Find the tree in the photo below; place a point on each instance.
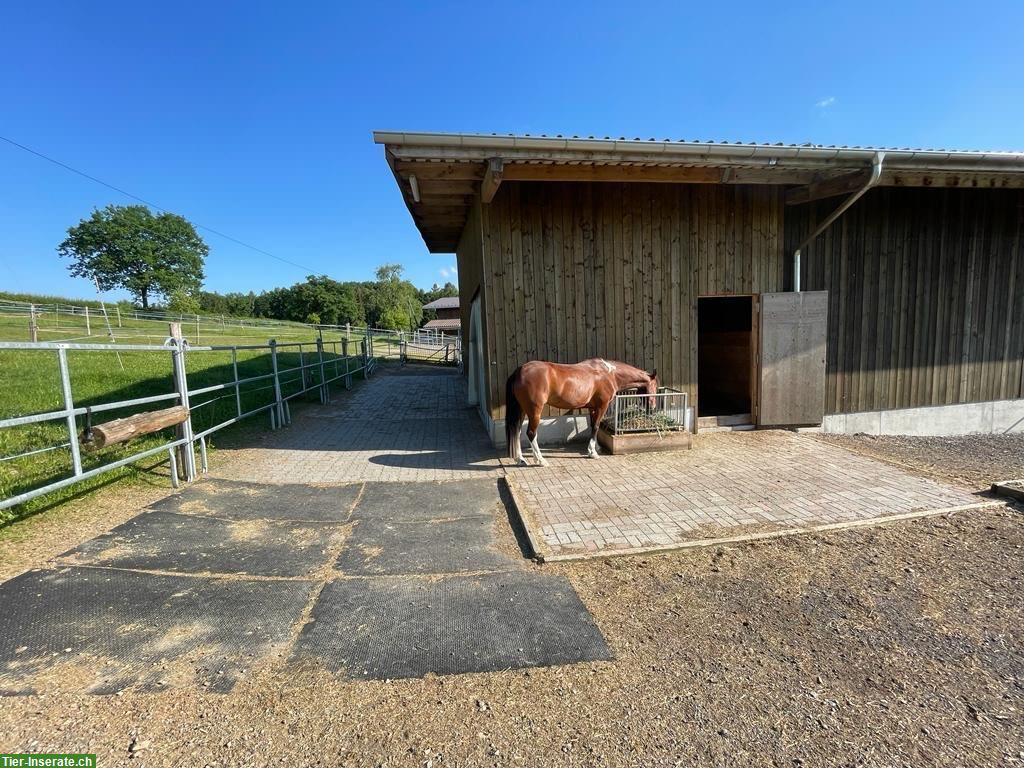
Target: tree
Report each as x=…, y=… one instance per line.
x=394, y=303
x=126, y=246
x=183, y=302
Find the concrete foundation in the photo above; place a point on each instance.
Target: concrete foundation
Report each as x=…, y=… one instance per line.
x=992, y=417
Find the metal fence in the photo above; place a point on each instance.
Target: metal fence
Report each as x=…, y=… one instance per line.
x=65, y=322
x=634, y=411
x=319, y=364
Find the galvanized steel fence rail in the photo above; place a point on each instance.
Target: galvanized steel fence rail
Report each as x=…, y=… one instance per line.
x=666, y=411
x=313, y=356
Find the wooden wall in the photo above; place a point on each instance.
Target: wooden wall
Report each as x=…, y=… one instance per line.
x=572, y=270
x=470, y=262
x=926, y=296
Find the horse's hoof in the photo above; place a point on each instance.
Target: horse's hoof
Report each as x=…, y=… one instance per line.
x=522, y=463
x=542, y=463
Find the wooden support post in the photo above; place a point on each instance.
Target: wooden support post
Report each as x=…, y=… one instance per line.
x=492, y=179
x=88, y=329
x=197, y=330
x=118, y=309
x=33, y=327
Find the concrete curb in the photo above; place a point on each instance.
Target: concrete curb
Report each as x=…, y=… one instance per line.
x=540, y=551
x=752, y=537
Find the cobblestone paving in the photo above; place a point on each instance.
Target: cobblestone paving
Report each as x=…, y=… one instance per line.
x=730, y=484
x=402, y=424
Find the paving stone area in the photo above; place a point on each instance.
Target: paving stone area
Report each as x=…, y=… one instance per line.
x=403, y=424
x=730, y=484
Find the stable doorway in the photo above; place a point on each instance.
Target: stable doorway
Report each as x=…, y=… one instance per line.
x=726, y=361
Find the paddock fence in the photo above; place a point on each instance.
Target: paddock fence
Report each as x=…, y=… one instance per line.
x=253, y=379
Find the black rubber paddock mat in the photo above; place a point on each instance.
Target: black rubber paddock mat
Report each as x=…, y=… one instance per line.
x=427, y=501
x=164, y=541
x=236, y=500
x=100, y=630
x=382, y=548
x=390, y=628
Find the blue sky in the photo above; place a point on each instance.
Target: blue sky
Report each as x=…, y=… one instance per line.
x=255, y=118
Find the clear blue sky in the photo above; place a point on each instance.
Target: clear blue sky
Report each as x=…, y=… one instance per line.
x=255, y=118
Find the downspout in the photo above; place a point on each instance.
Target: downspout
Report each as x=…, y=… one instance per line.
x=876, y=174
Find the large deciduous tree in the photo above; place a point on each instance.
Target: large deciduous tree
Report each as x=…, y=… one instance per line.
x=129, y=247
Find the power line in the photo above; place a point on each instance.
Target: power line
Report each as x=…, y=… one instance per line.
x=120, y=191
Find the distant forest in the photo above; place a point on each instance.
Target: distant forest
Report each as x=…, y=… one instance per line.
x=387, y=302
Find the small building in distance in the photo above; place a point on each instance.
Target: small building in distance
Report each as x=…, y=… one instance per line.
x=448, y=319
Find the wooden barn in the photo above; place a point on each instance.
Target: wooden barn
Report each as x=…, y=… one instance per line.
x=862, y=289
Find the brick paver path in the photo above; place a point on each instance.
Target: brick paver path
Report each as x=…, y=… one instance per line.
x=730, y=484
x=413, y=424
x=402, y=424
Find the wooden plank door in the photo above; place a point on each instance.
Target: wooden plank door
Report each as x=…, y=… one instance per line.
x=793, y=330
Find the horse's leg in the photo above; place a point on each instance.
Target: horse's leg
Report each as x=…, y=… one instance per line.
x=519, y=458
x=599, y=411
x=592, y=446
x=531, y=432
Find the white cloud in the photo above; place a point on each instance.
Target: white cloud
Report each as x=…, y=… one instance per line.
x=445, y=273
x=826, y=102
x=449, y=272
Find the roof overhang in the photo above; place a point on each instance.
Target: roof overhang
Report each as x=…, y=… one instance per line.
x=440, y=174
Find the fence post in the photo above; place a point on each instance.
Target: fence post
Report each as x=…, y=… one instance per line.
x=118, y=316
x=278, y=405
x=88, y=330
x=324, y=391
x=187, y=459
x=238, y=387
x=197, y=330
x=33, y=327
x=56, y=315
x=69, y=409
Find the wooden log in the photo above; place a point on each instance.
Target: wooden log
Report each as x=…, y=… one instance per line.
x=120, y=430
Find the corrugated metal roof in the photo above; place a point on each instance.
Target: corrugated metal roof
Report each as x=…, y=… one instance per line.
x=445, y=302
x=443, y=325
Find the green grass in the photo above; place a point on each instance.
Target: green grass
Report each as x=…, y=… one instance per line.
x=30, y=383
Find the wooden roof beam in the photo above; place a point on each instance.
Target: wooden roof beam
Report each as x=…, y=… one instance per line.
x=830, y=187
x=492, y=179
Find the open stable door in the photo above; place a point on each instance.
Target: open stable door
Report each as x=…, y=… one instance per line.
x=793, y=334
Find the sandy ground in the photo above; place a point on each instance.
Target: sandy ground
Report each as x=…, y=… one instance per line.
x=899, y=645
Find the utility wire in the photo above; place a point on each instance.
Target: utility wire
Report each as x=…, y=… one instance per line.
x=120, y=191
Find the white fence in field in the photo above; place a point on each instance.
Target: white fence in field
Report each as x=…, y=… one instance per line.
x=70, y=323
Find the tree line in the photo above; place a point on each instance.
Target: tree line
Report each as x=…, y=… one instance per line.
x=387, y=302
x=159, y=260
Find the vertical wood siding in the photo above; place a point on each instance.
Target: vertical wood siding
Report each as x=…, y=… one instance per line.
x=470, y=262
x=926, y=296
x=572, y=271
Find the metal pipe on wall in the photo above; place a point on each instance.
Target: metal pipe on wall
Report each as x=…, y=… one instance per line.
x=876, y=174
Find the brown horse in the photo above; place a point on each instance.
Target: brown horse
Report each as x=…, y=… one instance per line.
x=590, y=384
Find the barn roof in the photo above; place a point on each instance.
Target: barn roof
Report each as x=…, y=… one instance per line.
x=440, y=174
x=443, y=325
x=445, y=302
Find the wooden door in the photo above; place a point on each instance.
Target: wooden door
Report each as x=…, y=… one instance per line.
x=792, y=341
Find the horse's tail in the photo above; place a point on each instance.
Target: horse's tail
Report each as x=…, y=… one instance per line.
x=513, y=414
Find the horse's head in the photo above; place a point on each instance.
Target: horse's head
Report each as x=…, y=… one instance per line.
x=652, y=389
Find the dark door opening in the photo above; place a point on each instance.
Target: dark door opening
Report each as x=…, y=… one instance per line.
x=725, y=340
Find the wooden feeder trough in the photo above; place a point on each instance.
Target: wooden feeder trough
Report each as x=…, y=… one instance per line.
x=634, y=425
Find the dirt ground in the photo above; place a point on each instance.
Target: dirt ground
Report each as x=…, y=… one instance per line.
x=899, y=645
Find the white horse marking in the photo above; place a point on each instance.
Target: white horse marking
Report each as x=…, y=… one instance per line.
x=607, y=365
x=536, y=452
x=592, y=448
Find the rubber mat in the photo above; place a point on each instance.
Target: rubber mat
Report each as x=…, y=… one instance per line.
x=100, y=630
x=427, y=501
x=235, y=500
x=165, y=541
x=391, y=628
x=379, y=547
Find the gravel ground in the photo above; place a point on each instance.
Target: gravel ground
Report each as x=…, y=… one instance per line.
x=899, y=645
